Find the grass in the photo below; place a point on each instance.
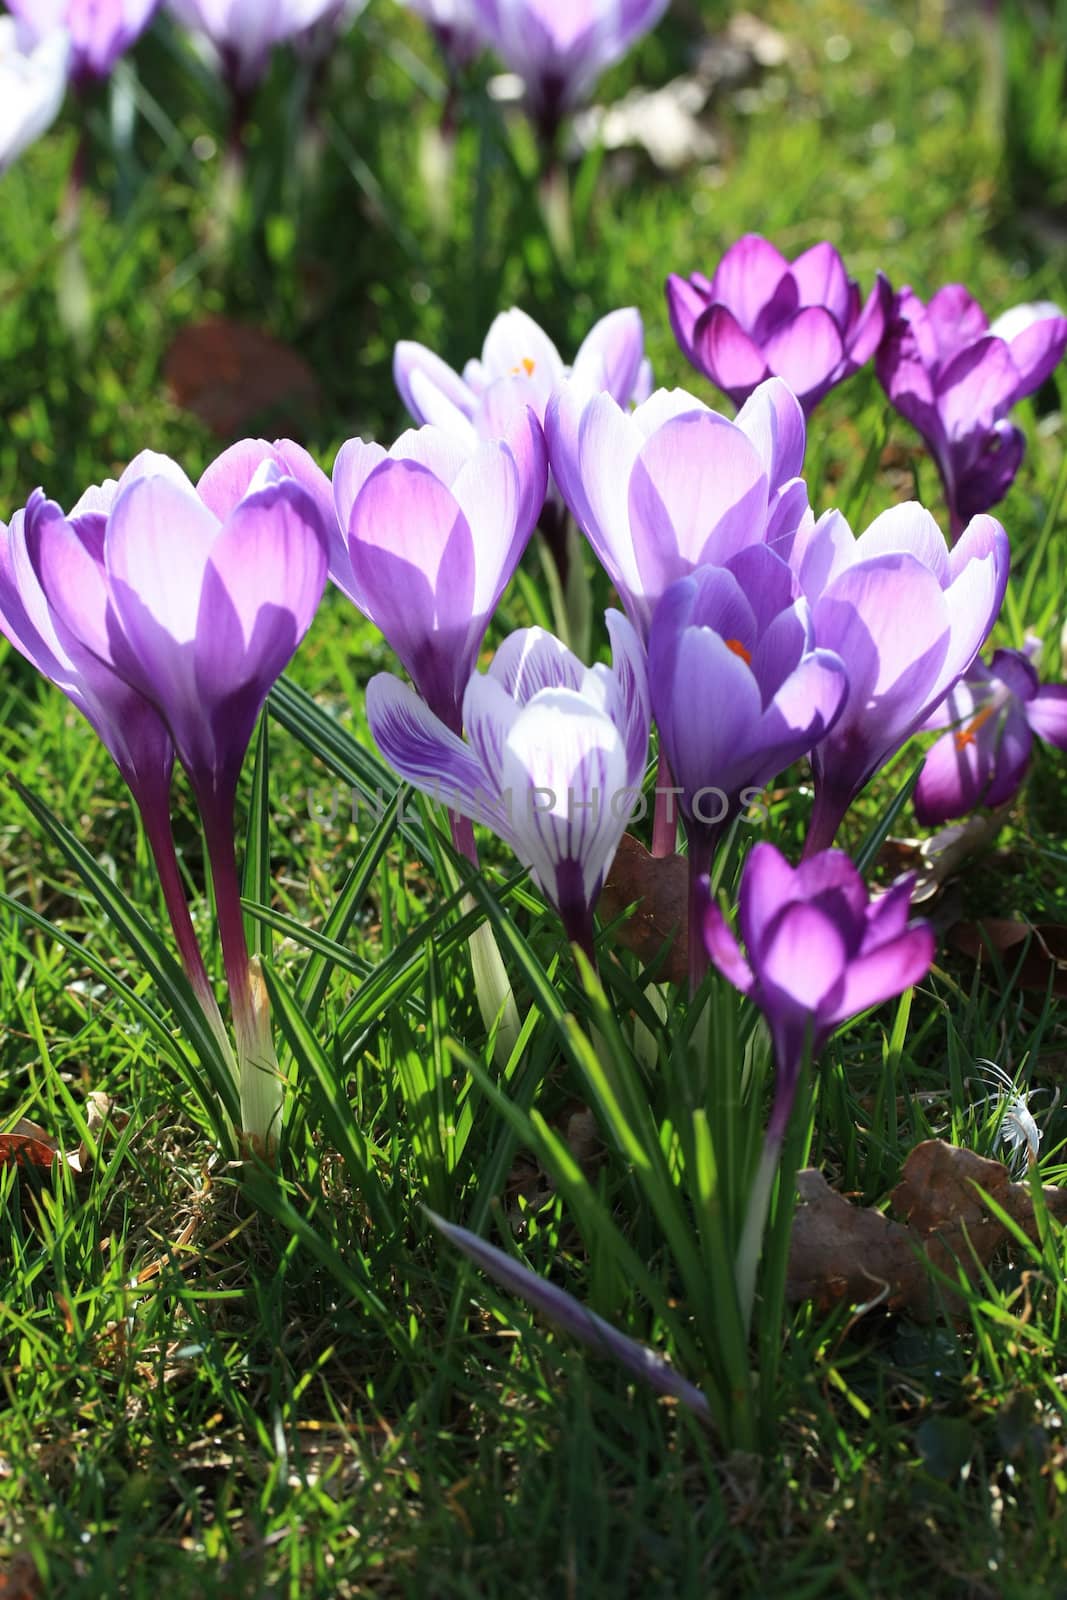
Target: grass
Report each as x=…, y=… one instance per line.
x=225, y=1388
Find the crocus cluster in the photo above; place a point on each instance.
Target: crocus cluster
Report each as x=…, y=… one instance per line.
x=166, y=612
x=956, y=378
x=244, y=35
x=945, y=369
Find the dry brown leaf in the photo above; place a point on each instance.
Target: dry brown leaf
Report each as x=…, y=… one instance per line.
x=1044, y=960
x=27, y=1144
x=842, y=1252
x=660, y=886
x=232, y=375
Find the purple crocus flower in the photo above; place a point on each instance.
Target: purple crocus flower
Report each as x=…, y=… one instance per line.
x=554, y=763
x=611, y=358
x=129, y=727
x=804, y=321
x=673, y=485
x=100, y=30
x=198, y=601
x=992, y=716
x=955, y=379
x=245, y=32
x=426, y=538
x=738, y=691
x=559, y=51
x=819, y=952
x=907, y=616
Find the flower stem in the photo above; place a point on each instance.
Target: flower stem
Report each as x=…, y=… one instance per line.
x=827, y=815
x=260, y=1078
x=751, y=1246
x=702, y=843
x=665, y=814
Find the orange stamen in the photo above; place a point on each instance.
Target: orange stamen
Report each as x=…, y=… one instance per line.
x=525, y=365
x=968, y=734
x=739, y=650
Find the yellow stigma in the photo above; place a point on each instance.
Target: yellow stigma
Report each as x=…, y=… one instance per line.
x=739, y=650
x=525, y=365
x=968, y=734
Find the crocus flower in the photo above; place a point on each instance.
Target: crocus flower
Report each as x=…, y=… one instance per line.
x=559, y=51
x=128, y=725
x=554, y=763
x=955, y=379
x=198, y=601
x=738, y=690
x=992, y=716
x=245, y=32
x=907, y=616
x=611, y=357
x=804, y=321
x=33, y=81
x=99, y=30
x=426, y=538
x=453, y=25
x=673, y=485
x=820, y=951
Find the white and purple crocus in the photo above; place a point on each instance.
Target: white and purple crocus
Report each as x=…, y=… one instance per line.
x=956, y=378
x=553, y=761
x=760, y=314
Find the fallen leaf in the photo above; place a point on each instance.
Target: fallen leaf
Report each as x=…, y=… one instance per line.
x=231, y=375
x=1042, y=962
x=940, y=857
x=27, y=1144
x=660, y=887
x=842, y=1252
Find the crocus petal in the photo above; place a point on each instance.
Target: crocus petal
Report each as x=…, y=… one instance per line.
x=411, y=361
x=1047, y=715
x=806, y=350
x=868, y=330
x=610, y=355
x=976, y=386
x=1037, y=351
x=886, y=972
x=574, y=1318
x=728, y=354
x=723, y=950
x=955, y=320
x=773, y=419
x=533, y=659
x=803, y=955
x=821, y=278
x=747, y=277
x=768, y=883
x=428, y=755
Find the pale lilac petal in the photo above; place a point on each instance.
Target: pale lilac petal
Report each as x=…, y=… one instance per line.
x=629, y=666
x=489, y=714
x=976, y=387
x=420, y=376
x=773, y=419
x=354, y=464
x=517, y=345
x=611, y=354
x=909, y=527
x=955, y=320
x=723, y=949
